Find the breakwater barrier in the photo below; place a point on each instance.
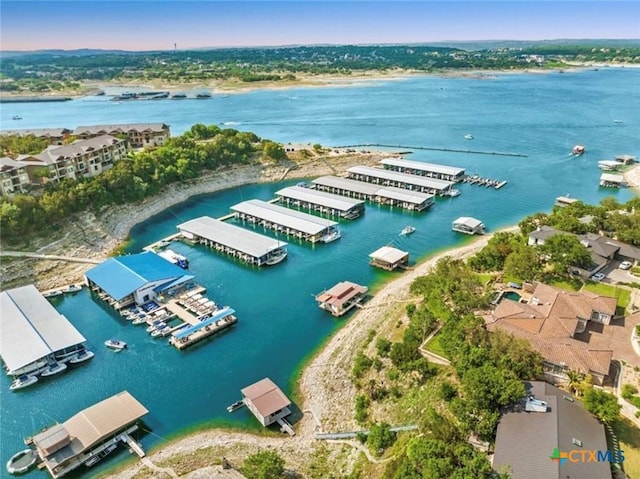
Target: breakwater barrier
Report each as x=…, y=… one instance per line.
x=33, y=99
x=434, y=148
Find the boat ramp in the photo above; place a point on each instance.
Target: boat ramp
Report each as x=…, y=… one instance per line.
x=386, y=195
x=284, y=220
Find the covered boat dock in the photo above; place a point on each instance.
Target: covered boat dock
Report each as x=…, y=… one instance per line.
x=88, y=435
x=283, y=220
x=250, y=247
x=321, y=201
x=405, y=181
x=468, y=225
x=199, y=330
x=33, y=332
x=420, y=168
x=610, y=180
x=268, y=403
x=389, y=258
x=342, y=297
x=388, y=195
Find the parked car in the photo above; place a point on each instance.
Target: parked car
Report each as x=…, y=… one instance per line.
x=625, y=265
x=598, y=277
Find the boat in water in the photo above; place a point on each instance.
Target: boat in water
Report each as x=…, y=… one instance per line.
x=276, y=258
x=453, y=193
x=577, y=150
x=175, y=258
x=468, y=136
x=72, y=288
x=81, y=357
x=115, y=344
x=236, y=405
x=21, y=462
x=407, y=230
x=52, y=294
x=16, y=117
x=332, y=235
x=53, y=368
x=23, y=382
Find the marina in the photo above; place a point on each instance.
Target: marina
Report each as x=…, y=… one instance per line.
x=320, y=201
x=419, y=168
x=404, y=181
x=283, y=220
x=232, y=240
x=388, y=195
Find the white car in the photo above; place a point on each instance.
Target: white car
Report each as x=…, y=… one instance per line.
x=625, y=265
x=598, y=277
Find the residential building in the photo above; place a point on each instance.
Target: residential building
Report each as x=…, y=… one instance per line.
x=138, y=135
x=13, y=177
x=551, y=321
x=54, y=136
x=536, y=438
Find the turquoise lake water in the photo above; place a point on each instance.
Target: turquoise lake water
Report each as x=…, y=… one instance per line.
x=541, y=116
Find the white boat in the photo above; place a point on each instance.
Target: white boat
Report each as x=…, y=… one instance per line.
x=51, y=294
x=331, y=236
x=21, y=462
x=276, y=258
x=140, y=320
x=453, y=192
x=154, y=325
x=115, y=344
x=53, y=368
x=159, y=330
x=72, y=288
x=82, y=356
x=236, y=405
x=577, y=150
x=23, y=382
x=407, y=230
x=468, y=136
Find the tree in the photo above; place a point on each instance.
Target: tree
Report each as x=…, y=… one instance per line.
x=263, y=465
x=602, y=405
x=564, y=251
x=380, y=437
x=523, y=263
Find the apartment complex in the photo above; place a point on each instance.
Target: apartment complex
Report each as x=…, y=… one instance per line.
x=138, y=135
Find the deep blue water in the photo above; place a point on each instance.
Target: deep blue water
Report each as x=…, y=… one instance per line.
x=541, y=116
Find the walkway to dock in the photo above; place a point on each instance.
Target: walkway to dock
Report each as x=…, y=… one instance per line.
x=354, y=434
x=28, y=254
x=433, y=148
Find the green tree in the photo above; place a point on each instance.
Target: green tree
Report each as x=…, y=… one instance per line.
x=380, y=438
x=523, y=263
x=565, y=251
x=263, y=465
x=602, y=405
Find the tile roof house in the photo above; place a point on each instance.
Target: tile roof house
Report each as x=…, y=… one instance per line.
x=546, y=421
x=551, y=320
x=139, y=135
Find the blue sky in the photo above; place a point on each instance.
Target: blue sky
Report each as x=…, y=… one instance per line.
x=144, y=25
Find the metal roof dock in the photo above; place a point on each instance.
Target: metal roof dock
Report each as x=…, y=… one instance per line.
x=420, y=168
x=383, y=177
x=342, y=297
x=468, y=225
x=389, y=258
x=388, y=195
x=32, y=330
x=283, y=220
x=233, y=240
x=321, y=201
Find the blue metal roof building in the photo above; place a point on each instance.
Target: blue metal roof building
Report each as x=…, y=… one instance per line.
x=140, y=276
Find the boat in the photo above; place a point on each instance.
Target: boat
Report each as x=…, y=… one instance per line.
x=617, y=121
x=178, y=96
x=72, y=288
x=23, y=382
x=276, y=258
x=175, y=258
x=203, y=95
x=17, y=117
x=53, y=368
x=331, y=236
x=577, y=150
x=159, y=330
x=139, y=320
x=453, y=193
x=115, y=344
x=468, y=136
x=82, y=356
x=97, y=457
x=52, y=294
x=154, y=325
x=21, y=462
x=236, y=405
x=407, y=230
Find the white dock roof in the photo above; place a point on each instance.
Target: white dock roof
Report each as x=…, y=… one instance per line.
x=388, y=254
x=432, y=183
x=31, y=328
x=322, y=198
x=612, y=178
x=280, y=215
x=415, y=197
x=468, y=221
x=422, y=166
x=347, y=184
x=233, y=236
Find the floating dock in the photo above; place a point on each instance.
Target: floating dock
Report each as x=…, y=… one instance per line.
x=342, y=297
x=419, y=168
x=283, y=220
x=321, y=201
x=486, y=182
x=388, y=195
x=218, y=321
x=389, y=258
x=404, y=181
x=468, y=225
x=250, y=247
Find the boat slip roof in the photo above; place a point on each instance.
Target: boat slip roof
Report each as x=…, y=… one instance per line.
x=388, y=254
x=123, y=275
x=408, y=196
x=341, y=293
x=266, y=397
x=319, y=198
x=221, y=314
x=280, y=215
x=32, y=328
x=468, y=221
x=347, y=184
x=432, y=183
x=421, y=165
x=612, y=178
x=93, y=424
x=232, y=236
